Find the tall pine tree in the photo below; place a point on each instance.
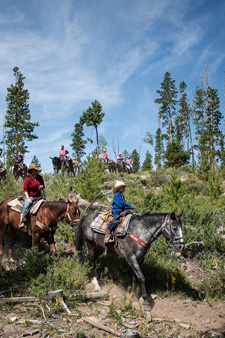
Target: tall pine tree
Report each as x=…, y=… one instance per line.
x=93, y=116
x=18, y=125
x=78, y=142
x=167, y=101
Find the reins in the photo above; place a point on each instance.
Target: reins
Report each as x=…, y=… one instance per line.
x=44, y=227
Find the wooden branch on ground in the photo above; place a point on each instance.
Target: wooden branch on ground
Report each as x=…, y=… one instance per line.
x=101, y=327
x=20, y=299
x=91, y=295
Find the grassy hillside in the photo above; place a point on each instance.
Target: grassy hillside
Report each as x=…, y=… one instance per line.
x=157, y=191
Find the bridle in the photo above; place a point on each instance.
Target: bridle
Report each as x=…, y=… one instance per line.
x=168, y=234
x=72, y=222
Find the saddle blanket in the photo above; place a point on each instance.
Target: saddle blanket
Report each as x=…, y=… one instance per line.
x=17, y=205
x=100, y=226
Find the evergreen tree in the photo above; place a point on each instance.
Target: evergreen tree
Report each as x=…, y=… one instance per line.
x=174, y=191
x=198, y=108
x=78, y=143
x=93, y=116
x=167, y=101
x=175, y=156
x=158, y=148
x=210, y=137
x=136, y=160
x=35, y=160
x=18, y=119
x=147, y=164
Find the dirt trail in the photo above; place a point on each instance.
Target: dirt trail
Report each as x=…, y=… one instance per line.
x=171, y=316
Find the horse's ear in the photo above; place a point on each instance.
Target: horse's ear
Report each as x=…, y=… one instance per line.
x=179, y=214
x=77, y=200
x=172, y=215
x=71, y=188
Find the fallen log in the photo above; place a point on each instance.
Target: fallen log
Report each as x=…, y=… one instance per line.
x=101, y=327
x=20, y=299
x=90, y=206
x=91, y=295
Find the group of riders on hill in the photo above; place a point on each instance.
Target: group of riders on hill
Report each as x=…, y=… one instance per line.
x=128, y=162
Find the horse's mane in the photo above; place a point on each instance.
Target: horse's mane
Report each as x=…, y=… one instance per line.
x=149, y=217
x=54, y=205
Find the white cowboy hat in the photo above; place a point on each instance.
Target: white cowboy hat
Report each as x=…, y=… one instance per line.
x=118, y=185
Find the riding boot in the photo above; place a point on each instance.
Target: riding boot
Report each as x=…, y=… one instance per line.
x=22, y=219
x=107, y=236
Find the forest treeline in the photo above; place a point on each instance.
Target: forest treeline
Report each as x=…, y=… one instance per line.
x=190, y=130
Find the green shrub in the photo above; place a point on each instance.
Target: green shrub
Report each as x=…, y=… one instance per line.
x=65, y=273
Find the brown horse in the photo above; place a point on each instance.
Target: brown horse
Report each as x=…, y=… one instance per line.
x=42, y=225
x=111, y=166
x=19, y=171
x=76, y=166
x=119, y=167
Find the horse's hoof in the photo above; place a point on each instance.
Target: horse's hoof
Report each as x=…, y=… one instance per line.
x=149, y=304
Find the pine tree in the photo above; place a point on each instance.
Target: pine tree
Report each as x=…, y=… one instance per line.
x=167, y=101
x=93, y=116
x=175, y=156
x=147, y=164
x=214, y=117
x=35, y=160
x=17, y=119
x=78, y=143
x=158, y=148
x=136, y=160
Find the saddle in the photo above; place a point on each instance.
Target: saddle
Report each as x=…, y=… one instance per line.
x=102, y=221
x=17, y=205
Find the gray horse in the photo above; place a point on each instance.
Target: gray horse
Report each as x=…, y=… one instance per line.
x=142, y=231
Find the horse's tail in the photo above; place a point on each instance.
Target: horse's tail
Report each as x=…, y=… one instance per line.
x=80, y=238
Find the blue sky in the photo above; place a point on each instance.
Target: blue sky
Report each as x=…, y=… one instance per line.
x=73, y=52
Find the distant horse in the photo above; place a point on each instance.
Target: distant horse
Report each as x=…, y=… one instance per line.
x=2, y=173
x=42, y=225
x=19, y=171
x=76, y=166
x=57, y=165
x=111, y=166
x=119, y=166
x=142, y=231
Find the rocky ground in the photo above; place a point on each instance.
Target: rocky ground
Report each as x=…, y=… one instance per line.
x=171, y=316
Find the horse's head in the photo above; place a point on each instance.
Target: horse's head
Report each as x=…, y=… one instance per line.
x=172, y=230
x=72, y=215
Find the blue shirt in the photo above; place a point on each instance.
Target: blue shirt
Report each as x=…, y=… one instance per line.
x=118, y=204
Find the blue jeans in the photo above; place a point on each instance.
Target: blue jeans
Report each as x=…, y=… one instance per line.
x=27, y=205
x=114, y=222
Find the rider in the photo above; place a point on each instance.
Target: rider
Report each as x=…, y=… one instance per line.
x=120, y=160
x=118, y=205
x=104, y=156
x=19, y=159
x=67, y=157
x=62, y=153
x=33, y=183
x=130, y=162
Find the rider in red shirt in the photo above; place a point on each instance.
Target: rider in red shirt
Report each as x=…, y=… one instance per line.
x=32, y=186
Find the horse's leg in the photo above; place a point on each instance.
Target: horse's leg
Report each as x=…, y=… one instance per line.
x=148, y=301
x=93, y=255
x=2, y=233
x=36, y=241
x=11, y=242
x=135, y=281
